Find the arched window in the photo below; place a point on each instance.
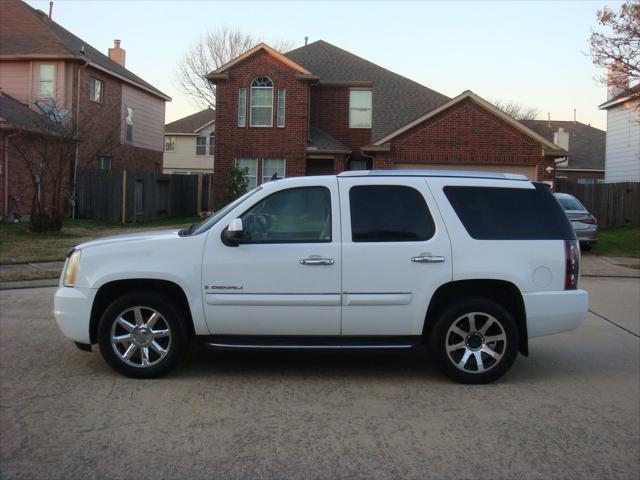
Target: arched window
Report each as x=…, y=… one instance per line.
x=261, y=114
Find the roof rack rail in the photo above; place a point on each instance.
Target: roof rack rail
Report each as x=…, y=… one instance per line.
x=433, y=173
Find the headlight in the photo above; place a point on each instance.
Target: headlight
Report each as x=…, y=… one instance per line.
x=71, y=269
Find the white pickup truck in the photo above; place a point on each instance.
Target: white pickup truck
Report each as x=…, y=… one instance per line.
x=470, y=264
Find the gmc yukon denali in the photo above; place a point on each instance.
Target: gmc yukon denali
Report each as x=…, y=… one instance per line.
x=470, y=264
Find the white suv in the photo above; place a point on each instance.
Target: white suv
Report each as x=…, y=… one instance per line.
x=471, y=264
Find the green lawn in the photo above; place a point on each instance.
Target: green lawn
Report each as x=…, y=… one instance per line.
x=618, y=242
x=18, y=245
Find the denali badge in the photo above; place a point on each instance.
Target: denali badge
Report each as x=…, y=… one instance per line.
x=223, y=287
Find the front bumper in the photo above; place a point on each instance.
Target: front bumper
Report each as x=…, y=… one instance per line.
x=555, y=311
x=72, y=310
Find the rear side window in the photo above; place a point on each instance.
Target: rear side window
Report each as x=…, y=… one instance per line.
x=389, y=213
x=491, y=213
x=569, y=203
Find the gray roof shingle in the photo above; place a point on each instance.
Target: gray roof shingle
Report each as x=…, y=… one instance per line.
x=191, y=123
x=586, y=143
x=397, y=100
x=14, y=114
x=322, y=141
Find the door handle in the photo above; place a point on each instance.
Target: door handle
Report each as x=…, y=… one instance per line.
x=428, y=259
x=317, y=260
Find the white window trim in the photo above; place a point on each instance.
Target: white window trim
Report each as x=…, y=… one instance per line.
x=272, y=88
x=211, y=145
x=284, y=108
x=272, y=158
x=92, y=92
x=174, y=143
x=242, y=108
x=371, y=110
x=206, y=146
x=255, y=159
x=53, y=81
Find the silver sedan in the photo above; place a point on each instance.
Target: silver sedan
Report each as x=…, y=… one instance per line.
x=584, y=224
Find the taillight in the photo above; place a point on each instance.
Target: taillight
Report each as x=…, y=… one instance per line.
x=572, y=269
x=591, y=220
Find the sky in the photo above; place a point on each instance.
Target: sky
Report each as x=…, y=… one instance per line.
x=532, y=53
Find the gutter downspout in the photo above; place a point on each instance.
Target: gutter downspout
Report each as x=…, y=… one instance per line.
x=6, y=172
x=77, y=152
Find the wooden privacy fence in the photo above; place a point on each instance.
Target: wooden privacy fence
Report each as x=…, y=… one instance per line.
x=613, y=204
x=122, y=196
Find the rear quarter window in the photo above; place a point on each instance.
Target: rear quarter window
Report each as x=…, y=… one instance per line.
x=492, y=213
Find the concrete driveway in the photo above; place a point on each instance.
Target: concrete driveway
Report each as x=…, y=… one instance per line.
x=570, y=410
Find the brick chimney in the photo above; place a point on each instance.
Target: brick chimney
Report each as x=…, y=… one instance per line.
x=617, y=79
x=116, y=53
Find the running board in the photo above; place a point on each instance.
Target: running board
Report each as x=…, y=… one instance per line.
x=306, y=342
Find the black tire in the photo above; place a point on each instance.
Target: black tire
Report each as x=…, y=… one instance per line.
x=443, y=337
x=586, y=246
x=170, y=319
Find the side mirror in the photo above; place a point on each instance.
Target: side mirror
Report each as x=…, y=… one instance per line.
x=234, y=234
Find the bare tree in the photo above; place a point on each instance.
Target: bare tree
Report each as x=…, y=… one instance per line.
x=619, y=42
x=214, y=49
x=51, y=145
x=517, y=110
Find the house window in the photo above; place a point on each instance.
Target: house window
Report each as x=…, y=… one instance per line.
x=96, y=90
x=104, y=162
x=271, y=166
x=129, y=122
x=250, y=165
x=359, y=108
x=281, y=107
x=261, y=114
x=212, y=142
x=242, y=107
x=586, y=181
x=46, y=87
x=201, y=145
x=169, y=144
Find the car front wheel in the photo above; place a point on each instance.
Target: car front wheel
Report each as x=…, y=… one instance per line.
x=142, y=335
x=475, y=341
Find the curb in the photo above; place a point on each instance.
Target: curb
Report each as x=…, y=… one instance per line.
x=49, y=282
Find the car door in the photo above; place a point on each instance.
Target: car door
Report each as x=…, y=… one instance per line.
x=396, y=253
x=285, y=279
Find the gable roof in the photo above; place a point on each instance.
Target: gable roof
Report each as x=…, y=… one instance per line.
x=551, y=148
x=629, y=94
x=586, y=143
x=29, y=33
x=396, y=99
x=321, y=141
x=257, y=48
x=18, y=116
x=191, y=124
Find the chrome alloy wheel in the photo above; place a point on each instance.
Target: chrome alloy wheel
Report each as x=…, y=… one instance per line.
x=141, y=337
x=476, y=342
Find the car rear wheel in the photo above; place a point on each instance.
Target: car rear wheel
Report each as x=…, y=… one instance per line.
x=475, y=341
x=142, y=335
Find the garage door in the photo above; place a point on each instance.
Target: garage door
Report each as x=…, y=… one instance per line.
x=528, y=170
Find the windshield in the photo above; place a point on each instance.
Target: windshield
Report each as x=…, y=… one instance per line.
x=570, y=203
x=212, y=220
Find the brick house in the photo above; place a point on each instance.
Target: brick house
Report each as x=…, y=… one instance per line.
x=44, y=67
x=320, y=109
